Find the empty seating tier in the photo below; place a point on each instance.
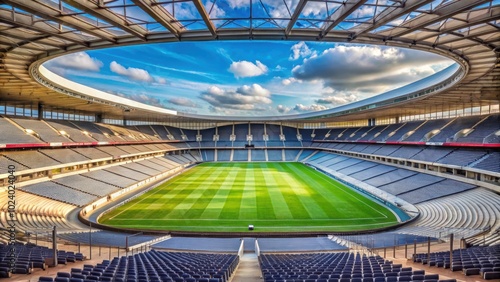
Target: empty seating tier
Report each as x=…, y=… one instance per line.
x=159, y=266
x=348, y=267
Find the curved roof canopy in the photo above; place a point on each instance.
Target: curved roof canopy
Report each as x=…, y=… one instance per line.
x=467, y=31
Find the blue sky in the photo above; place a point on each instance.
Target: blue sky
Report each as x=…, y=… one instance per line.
x=247, y=77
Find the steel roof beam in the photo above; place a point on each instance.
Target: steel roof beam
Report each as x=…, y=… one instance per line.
x=162, y=16
x=25, y=21
x=444, y=12
x=46, y=12
x=205, y=16
x=390, y=14
x=448, y=27
x=295, y=16
x=106, y=15
x=347, y=8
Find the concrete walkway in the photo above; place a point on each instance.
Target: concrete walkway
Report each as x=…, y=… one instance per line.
x=248, y=270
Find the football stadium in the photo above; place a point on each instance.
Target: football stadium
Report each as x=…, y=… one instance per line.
x=244, y=140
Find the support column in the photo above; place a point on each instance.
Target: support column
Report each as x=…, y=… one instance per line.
x=98, y=118
x=451, y=249
x=54, y=245
x=40, y=110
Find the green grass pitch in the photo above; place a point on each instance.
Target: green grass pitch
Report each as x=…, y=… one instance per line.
x=274, y=197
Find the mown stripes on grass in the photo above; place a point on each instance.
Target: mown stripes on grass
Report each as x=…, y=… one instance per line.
x=273, y=196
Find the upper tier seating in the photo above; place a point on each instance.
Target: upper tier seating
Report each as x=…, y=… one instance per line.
x=45, y=132
x=447, y=133
x=424, y=129
x=148, y=131
x=487, y=127
x=74, y=133
x=16, y=135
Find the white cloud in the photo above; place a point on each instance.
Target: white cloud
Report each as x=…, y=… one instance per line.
x=282, y=109
x=161, y=80
x=247, y=97
x=367, y=69
x=288, y=81
x=132, y=73
x=135, y=74
x=77, y=61
x=247, y=69
x=338, y=99
x=310, y=108
x=214, y=10
x=184, y=102
x=234, y=4
x=300, y=50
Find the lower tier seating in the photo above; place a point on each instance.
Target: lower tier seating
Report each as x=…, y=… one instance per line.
x=339, y=267
x=156, y=266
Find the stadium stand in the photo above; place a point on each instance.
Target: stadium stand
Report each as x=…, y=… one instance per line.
x=225, y=133
x=465, y=214
x=304, y=154
x=401, y=130
x=158, y=266
x=30, y=159
x=92, y=153
x=490, y=162
x=29, y=256
x=35, y=212
x=291, y=155
x=472, y=261
x=224, y=155
x=258, y=155
x=241, y=131
x=274, y=155
x=336, y=266
x=208, y=155
x=43, y=130
x=257, y=131
x=448, y=133
x=148, y=131
x=124, y=171
x=64, y=156
x=87, y=185
x=60, y=193
x=16, y=135
x=240, y=155
x=481, y=130
x=424, y=131
x=108, y=177
x=162, y=132
x=174, y=131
